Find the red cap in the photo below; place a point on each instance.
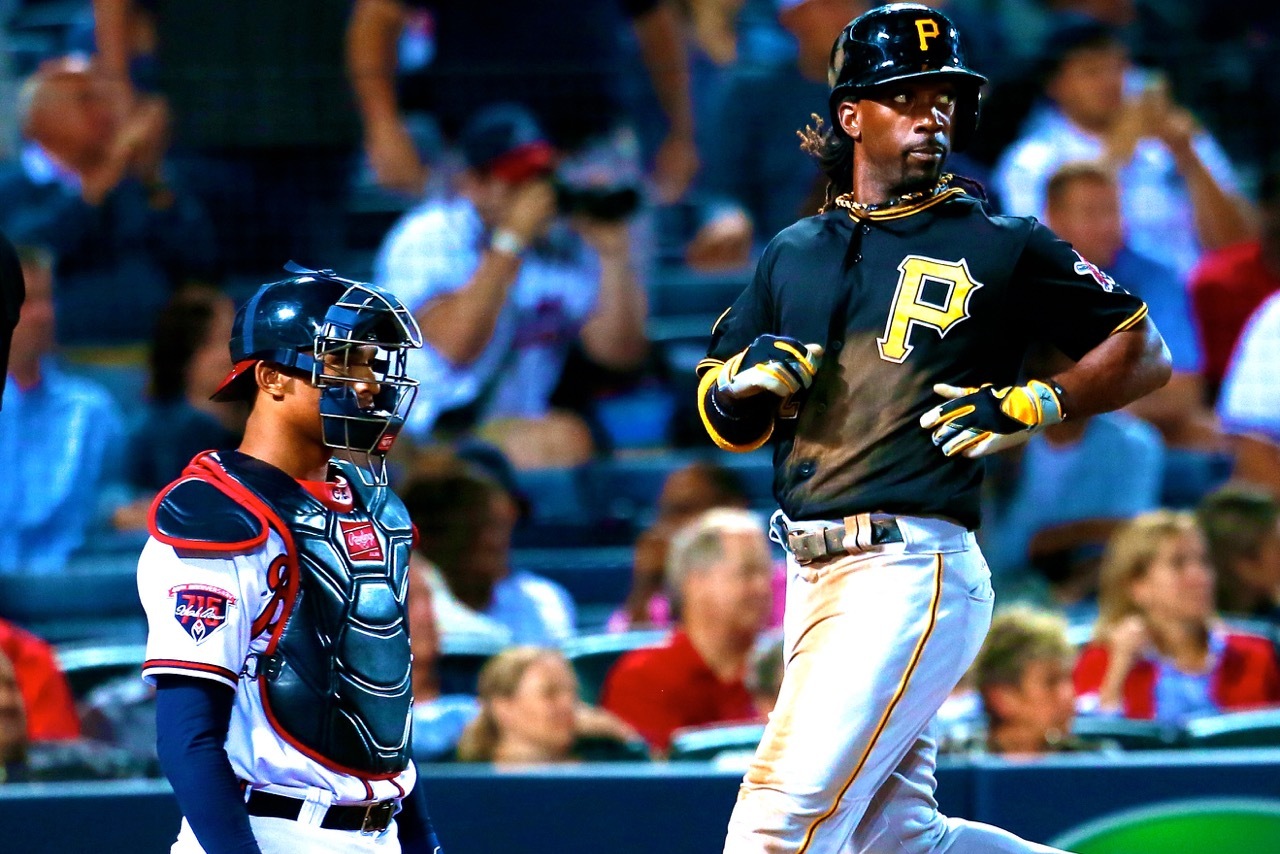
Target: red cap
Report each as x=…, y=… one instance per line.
x=226, y=390
x=523, y=162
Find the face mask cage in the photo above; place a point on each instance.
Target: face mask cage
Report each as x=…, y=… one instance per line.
x=360, y=366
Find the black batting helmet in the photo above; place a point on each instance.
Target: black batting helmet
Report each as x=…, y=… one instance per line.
x=902, y=41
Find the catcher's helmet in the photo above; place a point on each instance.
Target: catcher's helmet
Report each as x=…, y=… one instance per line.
x=300, y=323
x=901, y=41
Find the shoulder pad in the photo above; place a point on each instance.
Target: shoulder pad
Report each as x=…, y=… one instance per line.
x=195, y=516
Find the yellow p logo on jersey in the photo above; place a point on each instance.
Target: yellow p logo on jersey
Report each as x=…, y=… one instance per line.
x=928, y=29
x=910, y=308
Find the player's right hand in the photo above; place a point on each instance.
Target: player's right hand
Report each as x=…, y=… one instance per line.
x=773, y=363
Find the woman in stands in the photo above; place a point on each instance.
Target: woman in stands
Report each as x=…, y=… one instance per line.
x=530, y=714
x=1159, y=650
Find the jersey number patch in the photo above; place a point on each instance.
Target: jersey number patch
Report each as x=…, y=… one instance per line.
x=910, y=309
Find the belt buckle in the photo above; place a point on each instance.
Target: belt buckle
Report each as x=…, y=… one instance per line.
x=375, y=812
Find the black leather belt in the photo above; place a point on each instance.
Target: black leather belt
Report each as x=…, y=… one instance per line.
x=366, y=818
x=854, y=534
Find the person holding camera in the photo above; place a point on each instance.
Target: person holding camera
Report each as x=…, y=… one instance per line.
x=503, y=277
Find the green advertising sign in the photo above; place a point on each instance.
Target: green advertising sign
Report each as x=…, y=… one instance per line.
x=1198, y=826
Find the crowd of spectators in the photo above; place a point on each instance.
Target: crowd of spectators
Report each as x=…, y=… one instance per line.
x=536, y=205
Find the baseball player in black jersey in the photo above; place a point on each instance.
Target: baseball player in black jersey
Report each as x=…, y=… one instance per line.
x=879, y=347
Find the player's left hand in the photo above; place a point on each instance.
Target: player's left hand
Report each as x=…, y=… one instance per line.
x=980, y=421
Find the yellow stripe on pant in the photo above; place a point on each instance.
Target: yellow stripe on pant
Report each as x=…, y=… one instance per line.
x=893, y=703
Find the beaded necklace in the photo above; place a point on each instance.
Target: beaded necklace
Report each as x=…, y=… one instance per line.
x=899, y=205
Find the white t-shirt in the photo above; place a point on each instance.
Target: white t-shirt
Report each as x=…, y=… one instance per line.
x=1154, y=199
x=526, y=609
x=200, y=617
x=432, y=252
x=1250, y=398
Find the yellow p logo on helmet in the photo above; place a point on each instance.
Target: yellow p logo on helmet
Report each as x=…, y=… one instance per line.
x=928, y=29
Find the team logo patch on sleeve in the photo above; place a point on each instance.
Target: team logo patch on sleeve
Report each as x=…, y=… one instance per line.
x=1084, y=268
x=362, y=542
x=200, y=609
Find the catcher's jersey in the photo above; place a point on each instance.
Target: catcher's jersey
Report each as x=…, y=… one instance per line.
x=206, y=616
x=937, y=292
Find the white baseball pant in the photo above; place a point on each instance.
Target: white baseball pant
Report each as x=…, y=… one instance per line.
x=874, y=641
x=286, y=836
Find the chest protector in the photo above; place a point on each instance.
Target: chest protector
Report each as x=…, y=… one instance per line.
x=335, y=679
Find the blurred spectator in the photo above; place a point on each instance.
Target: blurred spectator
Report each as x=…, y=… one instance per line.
x=1023, y=675
x=1231, y=283
x=13, y=721
x=718, y=574
x=1159, y=651
x=264, y=127
x=1242, y=528
x=48, y=709
x=1083, y=208
x=530, y=712
x=1177, y=190
x=464, y=523
x=687, y=493
x=60, y=439
x=567, y=66
x=12, y=293
x=438, y=719
x=188, y=361
x=1249, y=403
x=92, y=187
x=502, y=286
x=759, y=175
x=1067, y=497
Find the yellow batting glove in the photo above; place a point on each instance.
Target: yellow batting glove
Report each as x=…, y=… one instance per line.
x=975, y=422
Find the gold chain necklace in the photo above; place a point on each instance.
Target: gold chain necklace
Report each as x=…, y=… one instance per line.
x=858, y=210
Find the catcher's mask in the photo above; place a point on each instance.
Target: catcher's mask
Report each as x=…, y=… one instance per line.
x=314, y=324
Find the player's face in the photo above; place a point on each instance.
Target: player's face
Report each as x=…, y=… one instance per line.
x=542, y=712
x=1178, y=584
x=355, y=366
x=740, y=585
x=905, y=133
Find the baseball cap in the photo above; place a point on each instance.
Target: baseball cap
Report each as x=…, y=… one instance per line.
x=506, y=141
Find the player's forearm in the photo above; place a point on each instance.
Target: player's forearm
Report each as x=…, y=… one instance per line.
x=372, y=38
x=460, y=325
x=662, y=45
x=1221, y=219
x=615, y=335
x=1123, y=368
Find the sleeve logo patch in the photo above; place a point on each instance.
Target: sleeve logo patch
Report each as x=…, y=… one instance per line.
x=1084, y=268
x=200, y=609
x=362, y=542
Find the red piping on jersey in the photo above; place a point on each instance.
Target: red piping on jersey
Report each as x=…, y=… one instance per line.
x=178, y=664
x=206, y=468
x=199, y=548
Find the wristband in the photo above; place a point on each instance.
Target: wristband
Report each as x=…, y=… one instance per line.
x=507, y=242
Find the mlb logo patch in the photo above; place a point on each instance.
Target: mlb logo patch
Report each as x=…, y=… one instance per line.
x=200, y=609
x=362, y=542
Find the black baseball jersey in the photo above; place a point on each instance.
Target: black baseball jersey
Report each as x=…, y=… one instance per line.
x=937, y=292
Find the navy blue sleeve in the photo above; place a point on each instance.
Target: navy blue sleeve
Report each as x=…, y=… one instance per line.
x=413, y=825
x=192, y=717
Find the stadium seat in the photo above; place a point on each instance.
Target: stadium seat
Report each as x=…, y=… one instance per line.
x=593, y=655
x=705, y=743
x=1129, y=734
x=461, y=657
x=87, y=666
x=99, y=601
x=593, y=576
x=1256, y=728
x=557, y=494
